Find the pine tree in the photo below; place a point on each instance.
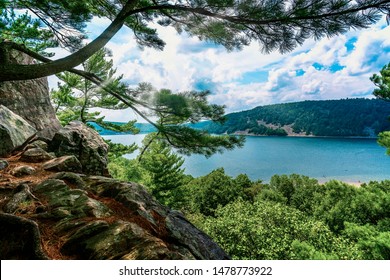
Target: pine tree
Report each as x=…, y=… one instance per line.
x=382, y=82
x=76, y=95
x=164, y=172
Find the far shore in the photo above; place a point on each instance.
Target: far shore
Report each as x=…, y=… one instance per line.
x=305, y=136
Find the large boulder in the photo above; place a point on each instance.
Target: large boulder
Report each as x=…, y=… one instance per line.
x=65, y=202
x=14, y=130
x=83, y=142
x=162, y=227
x=30, y=99
x=62, y=164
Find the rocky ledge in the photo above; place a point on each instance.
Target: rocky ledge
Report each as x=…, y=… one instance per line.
x=55, y=204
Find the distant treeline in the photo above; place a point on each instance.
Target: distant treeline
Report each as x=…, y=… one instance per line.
x=346, y=117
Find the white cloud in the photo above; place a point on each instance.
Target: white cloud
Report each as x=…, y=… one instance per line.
x=371, y=52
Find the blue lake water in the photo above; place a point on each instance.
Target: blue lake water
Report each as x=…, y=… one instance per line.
x=346, y=159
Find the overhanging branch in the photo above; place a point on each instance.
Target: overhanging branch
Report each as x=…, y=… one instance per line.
x=244, y=20
x=13, y=72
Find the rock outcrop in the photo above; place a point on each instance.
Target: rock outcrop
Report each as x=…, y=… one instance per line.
x=30, y=99
x=55, y=209
x=122, y=221
x=14, y=131
x=95, y=217
x=83, y=142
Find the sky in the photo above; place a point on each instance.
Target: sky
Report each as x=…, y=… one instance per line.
x=331, y=68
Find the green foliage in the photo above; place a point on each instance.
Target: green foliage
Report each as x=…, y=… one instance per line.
x=292, y=217
x=128, y=127
x=157, y=167
x=76, y=95
x=342, y=203
x=334, y=202
x=126, y=170
x=216, y=189
x=384, y=140
x=117, y=150
x=382, y=82
x=300, y=192
x=21, y=28
x=176, y=112
x=290, y=186
x=163, y=167
x=374, y=244
x=59, y=22
x=319, y=118
x=188, y=141
x=275, y=24
x=268, y=230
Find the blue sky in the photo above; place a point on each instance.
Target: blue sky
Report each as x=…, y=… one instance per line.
x=331, y=68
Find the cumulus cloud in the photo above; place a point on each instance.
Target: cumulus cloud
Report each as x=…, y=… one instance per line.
x=330, y=69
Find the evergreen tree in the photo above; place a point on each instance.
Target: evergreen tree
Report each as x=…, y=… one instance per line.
x=382, y=82
x=384, y=140
x=76, y=95
x=164, y=169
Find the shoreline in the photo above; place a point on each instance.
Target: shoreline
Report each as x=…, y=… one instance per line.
x=254, y=135
x=304, y=136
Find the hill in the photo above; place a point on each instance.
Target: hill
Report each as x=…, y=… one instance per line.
x=345, y=118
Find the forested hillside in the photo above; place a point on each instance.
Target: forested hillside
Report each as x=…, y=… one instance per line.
x=347, y=117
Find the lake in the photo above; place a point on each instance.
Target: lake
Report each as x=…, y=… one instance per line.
x=346, y=159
